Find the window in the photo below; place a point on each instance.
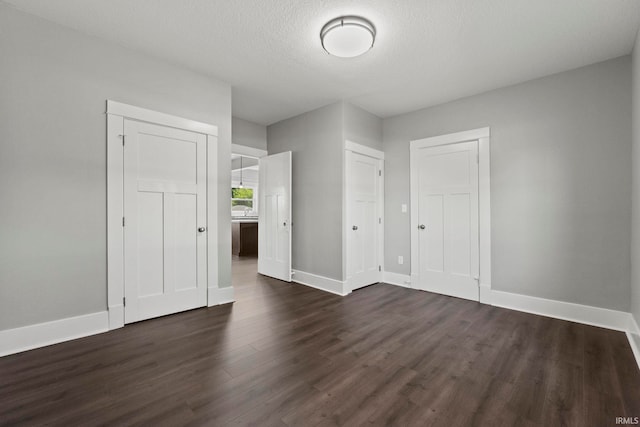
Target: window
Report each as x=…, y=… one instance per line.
x=241, y=199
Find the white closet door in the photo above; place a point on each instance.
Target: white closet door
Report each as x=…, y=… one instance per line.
x=448, y=219
x=363, y=219
x=274, y=216
x=165, y=220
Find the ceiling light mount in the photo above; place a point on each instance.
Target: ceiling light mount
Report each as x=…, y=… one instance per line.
x=348, y=36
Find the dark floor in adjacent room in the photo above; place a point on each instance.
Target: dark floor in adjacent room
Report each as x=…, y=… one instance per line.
x=289, y=355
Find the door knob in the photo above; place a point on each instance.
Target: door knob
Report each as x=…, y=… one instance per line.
x=354, y=228
x=201, y=229
x=421, y=227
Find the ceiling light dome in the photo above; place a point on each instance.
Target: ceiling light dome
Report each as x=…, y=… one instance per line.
x=348, y=36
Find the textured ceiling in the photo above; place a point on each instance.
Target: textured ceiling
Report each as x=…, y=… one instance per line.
x=427, y=51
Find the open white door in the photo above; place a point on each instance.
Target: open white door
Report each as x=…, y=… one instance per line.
x=274, y=217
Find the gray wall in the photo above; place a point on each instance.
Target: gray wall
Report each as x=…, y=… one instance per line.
x=560, y=182
x=53, y=87
x=315, y=139
x=635, y=197
x=248, y=134
x=362, y=127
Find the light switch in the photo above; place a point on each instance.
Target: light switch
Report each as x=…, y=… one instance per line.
x=403, y=207
x=400, y=259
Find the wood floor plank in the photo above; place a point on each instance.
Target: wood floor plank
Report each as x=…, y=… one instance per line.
x=288, y=355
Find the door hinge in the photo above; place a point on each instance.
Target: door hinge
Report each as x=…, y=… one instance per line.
x=478, y=158
x=379, y=172
x=123, y=221
x=122, y=137
x=124, y=301
x=379, y=268
x=379, y=220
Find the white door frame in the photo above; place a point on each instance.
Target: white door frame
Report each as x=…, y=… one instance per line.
x=253, y=153
x=116, y=114
x=352, y=147
x=245, y=151
x=483, y=136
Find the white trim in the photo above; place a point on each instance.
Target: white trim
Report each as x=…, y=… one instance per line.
x=115, y=213
x=633, y=335
x=484, y=208
x=589, y=315
x=363, y=149
x=116, y=316
x=43, y=334
x=483, y=136
x=116, y=113
x=382, y=223
x=485, y=293
x=212, y=215
x=243, y=150
x=151, y=116
x=397, y=279
x=451, y=138
x=218, y=296
x=346, y=157
x=320, y=282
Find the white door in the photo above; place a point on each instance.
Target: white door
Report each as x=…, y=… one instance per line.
x=165, y=267
x=447, y=219
x=274, y=216
x=364, y=220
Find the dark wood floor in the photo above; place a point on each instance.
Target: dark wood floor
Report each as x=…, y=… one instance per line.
x=289, y=355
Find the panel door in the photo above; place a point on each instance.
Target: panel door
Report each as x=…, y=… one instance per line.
x=448, y=219
x=274, y=216
x=164, y=220
x=363, y=220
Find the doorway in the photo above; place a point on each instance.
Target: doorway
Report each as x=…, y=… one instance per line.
x=245, y=206
x=161, y=213
x=261, y=212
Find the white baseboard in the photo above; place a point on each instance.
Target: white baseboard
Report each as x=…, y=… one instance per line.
x=595, y=316
x=218, y=296
x=485, y=293
x=397, y=279
x=320, y=282
x=42, y=334
x=116, y=316
x=633, y=335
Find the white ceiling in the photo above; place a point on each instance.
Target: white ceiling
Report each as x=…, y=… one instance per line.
x=427, y=51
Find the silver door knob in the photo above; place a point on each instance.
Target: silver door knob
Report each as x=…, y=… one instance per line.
x=354, y=228
x=201, y=229
x=421, y=227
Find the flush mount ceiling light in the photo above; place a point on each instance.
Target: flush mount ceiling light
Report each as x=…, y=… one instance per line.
x=348, y=36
